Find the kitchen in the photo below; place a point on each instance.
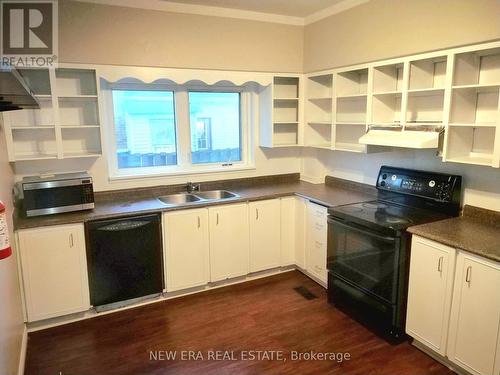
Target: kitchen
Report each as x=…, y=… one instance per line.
x=240, y=181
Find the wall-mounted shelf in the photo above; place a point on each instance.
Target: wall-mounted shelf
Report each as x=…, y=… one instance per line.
x=477, y=67
x=67, y=124
x=280, y=112
x=428, y=73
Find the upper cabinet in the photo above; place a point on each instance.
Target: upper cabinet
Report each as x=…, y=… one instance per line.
x=281, y=112
x=451, y=98
x=66, y=125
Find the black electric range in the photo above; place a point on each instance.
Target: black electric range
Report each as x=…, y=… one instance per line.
x=369, y=248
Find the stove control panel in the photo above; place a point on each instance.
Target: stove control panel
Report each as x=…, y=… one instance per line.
x=436, y=186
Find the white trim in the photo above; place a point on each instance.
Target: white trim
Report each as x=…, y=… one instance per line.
x=22, y=354
x=184, y=165
x=213, y=11
x=334, y=9
x=202, y=10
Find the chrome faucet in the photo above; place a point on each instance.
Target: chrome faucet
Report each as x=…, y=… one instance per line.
x=190, y=187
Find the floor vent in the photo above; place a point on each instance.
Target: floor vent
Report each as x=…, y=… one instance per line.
x=304, y=292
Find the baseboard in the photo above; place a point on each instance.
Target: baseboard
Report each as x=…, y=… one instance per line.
x=438, y=357
x=22, y=354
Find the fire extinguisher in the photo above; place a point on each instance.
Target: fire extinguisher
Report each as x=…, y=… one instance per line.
x=5, y=248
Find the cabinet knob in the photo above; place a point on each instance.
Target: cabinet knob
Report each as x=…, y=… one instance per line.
x=71, y=240
x=256, y=214
x=199, y=222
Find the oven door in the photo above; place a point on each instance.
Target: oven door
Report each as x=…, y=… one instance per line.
x=364, y=258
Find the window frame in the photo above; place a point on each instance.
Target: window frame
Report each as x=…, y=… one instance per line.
x=184, y=166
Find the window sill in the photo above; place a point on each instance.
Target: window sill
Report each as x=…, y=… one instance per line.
x=217, y=170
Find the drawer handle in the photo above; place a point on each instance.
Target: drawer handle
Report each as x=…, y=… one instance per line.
x=256, y=214
x=217, y=221
x=440, y=264
x=199, y=222
x=71, y=240
x=468, y=275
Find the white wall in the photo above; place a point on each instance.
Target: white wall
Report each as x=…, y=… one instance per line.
x=11, y=318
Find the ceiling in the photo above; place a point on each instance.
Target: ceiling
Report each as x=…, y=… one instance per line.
x=294, y=8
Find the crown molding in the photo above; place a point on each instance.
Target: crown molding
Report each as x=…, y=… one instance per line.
x=203, y=10
x=206, y=10
x=334, y=9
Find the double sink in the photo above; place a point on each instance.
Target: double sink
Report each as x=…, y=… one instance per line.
x=198, y=197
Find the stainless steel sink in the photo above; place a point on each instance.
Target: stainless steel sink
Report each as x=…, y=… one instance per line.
x=216, y=194
x=178, y=199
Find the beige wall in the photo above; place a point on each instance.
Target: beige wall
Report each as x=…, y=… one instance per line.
x=11, y=319
x=383, y=29
x=100, y=34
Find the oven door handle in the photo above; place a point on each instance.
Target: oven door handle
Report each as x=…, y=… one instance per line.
x=361, y=229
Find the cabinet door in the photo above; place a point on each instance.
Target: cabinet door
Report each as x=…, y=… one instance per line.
x=432, y=267
x=288, y=230
x=265, y=234
x=316, y=241
x=300, y=232
x=186, y=249
x=475, y=315
x=229, y=241
x=54, y=271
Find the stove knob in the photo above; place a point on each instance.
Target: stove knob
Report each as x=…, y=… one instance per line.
x=432, y=183
x=382, y=183
x=394, y=177
x=384, y=176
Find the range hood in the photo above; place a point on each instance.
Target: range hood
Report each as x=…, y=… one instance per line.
x=401, y=138
x=14, y=91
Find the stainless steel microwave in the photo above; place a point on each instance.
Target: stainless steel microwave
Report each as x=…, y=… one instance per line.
x=46, y=195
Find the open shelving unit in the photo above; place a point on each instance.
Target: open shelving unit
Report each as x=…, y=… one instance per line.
x=319, y=110
x=67, y=124
x=473, y=134
x=280, y=112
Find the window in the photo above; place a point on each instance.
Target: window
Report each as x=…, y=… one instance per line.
x=144, y=128
x=215, y=127
x=170, y=129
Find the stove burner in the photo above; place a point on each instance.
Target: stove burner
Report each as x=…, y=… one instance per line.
x=352, y=209
x=374, y=206
x=396, y=220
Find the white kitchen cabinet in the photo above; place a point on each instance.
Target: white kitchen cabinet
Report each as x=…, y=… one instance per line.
x=229, y=241
x=475, y=316
x=293, y=231
x=54, y=271
x=300, y=231
x=265, y=234
x=186, y=250
x=432, y=267
x=316, y=241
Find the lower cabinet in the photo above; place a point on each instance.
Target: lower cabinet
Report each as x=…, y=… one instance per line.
x=475, y=316
x=186, y=250
x=316, y=231
x=265, y=234
x=468, y=333
x=54, y=271
x=432, y=269
x=229, y=241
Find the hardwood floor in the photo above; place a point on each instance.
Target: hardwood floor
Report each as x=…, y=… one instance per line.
x=265, y=314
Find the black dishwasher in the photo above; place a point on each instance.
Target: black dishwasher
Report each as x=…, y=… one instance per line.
x=124, y=258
